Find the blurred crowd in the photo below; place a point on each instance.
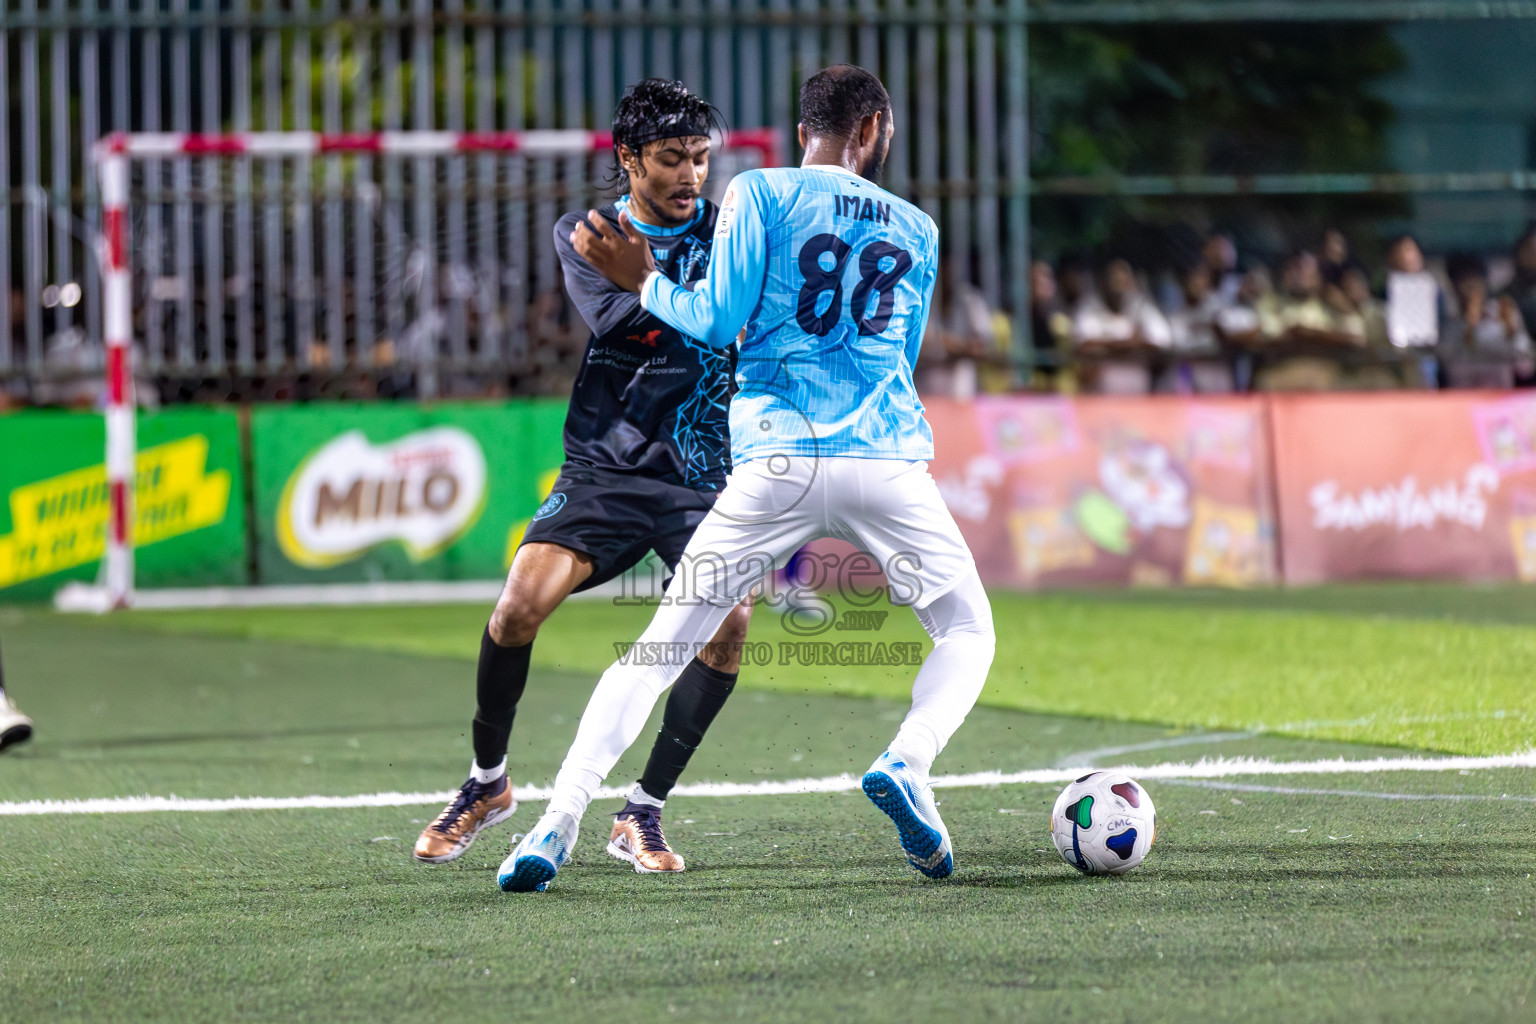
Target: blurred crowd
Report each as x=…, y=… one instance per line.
x=1319, y=319
x=421, y=362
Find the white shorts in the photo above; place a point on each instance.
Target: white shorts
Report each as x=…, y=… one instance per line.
x=890, y=510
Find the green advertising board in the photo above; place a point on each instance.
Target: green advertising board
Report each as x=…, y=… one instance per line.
x=386, y=492
x=189, y=521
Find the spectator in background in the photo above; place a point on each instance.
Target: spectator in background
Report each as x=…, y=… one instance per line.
x=1381, y=370
x=1404, y=256
x=1415, y=309
x=1198, y=366
x=1074, y=279
x=74, y=373
x=1304, y=335
x=1237, y=325
x=1220, y=258
x=966, y=342
x=1355, y=290
x=1486, y=340
x=1335, y=257
x=1049, y=323
x=1522, y=289
x=1122, y=331
x=556, y=347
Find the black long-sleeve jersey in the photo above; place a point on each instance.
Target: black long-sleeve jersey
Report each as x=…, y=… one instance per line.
x=648, y=400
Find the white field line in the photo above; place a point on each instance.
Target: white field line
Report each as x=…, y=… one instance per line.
x=1204, y=769
x=1295, y=791
x=1190, y=740
x=1309, y=724
x=77, y=597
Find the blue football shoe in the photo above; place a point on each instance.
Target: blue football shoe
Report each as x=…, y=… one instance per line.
x=534, y=861
x=906, y=796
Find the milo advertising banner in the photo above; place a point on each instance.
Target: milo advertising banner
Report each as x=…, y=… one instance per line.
x=383, y=492
x=1407, y=485
x=1098, y=491
x=189, y=526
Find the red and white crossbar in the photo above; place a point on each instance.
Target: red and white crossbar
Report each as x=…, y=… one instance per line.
x=113, y=155
x=553, y=142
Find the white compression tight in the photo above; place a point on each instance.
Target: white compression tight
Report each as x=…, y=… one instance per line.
x=946, y=688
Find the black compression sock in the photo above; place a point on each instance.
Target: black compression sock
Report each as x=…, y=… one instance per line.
x=695, y=700
x=500, y=679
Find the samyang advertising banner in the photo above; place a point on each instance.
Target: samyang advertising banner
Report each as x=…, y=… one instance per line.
x=189, y=522
x=1103, y=491
x=1407, y=485
x=380, y=492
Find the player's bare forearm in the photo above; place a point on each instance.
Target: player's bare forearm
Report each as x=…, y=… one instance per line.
x=622, y=256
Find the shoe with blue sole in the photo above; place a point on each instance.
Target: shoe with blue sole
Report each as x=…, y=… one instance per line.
x=906, y=797
x=533, y=862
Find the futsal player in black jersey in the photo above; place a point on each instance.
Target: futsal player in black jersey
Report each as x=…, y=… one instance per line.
x=647, y=451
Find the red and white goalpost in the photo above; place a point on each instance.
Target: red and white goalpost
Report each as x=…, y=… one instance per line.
x=117, y=335
x=114, y=156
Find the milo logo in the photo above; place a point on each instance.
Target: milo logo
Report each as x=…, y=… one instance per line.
x=424, y=491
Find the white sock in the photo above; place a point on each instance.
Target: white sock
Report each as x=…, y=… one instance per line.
x=485, y=775
x=638, y=795
x=552, y=818
x=573, y=791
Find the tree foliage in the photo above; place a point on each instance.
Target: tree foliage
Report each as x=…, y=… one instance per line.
x=1203, y=99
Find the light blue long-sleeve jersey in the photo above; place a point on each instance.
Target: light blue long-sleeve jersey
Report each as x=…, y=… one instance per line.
x=832, y=277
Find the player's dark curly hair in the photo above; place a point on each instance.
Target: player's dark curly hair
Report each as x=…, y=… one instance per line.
x=836, y=100
x=658, y=108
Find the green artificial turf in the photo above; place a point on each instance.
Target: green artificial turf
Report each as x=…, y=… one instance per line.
x=1254, y=905
x=1436, y=667
x=1512, y=603
x=795, y=909
x=127, y=711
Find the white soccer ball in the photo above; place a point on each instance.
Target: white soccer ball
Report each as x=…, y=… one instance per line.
x=1103, y=823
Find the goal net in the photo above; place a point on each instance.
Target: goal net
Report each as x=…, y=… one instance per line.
x=299, y=264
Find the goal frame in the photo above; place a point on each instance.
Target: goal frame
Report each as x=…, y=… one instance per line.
x=113, y=157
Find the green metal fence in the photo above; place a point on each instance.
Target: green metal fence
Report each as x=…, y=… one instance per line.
x=962, y=74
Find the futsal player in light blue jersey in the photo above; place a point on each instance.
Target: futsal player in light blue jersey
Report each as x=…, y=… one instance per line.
x=827, y=278
x=832, y=277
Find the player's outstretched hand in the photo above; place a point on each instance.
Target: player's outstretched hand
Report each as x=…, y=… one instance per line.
x=622, y=256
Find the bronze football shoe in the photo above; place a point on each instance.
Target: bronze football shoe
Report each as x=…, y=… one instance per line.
x=476, y=807
x=637, y=839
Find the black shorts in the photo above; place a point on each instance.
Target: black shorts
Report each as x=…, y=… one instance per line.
x=616, y=518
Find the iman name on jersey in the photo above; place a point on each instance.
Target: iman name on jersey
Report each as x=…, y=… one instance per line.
x=861, y=208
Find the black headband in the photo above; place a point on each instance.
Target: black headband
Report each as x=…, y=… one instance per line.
x=677, y=126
